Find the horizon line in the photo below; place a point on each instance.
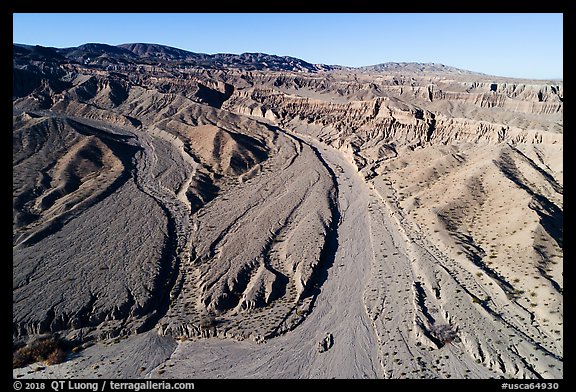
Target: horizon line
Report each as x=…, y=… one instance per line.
x=555, y=79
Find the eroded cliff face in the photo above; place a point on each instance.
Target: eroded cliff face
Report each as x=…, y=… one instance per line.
x=207, y=202
x=376, y=119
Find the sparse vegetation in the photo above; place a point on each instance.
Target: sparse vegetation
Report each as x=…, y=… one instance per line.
x=445, y=333
x=207, y=321
x=50, y=350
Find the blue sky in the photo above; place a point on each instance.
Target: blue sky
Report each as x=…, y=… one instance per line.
x=527, y=45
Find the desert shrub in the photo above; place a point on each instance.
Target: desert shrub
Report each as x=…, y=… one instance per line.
x=49, y=350
x=56, y=356
x=444, y=333
x=207, y=321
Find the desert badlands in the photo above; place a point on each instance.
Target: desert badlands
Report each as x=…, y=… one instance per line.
x=182, y=215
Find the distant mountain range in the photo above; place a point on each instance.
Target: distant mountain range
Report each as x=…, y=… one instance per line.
x=154, y=54
x=417, y=67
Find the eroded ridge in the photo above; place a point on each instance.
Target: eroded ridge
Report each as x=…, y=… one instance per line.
x=258, y=249
x=101, y=253
x=395, y=221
